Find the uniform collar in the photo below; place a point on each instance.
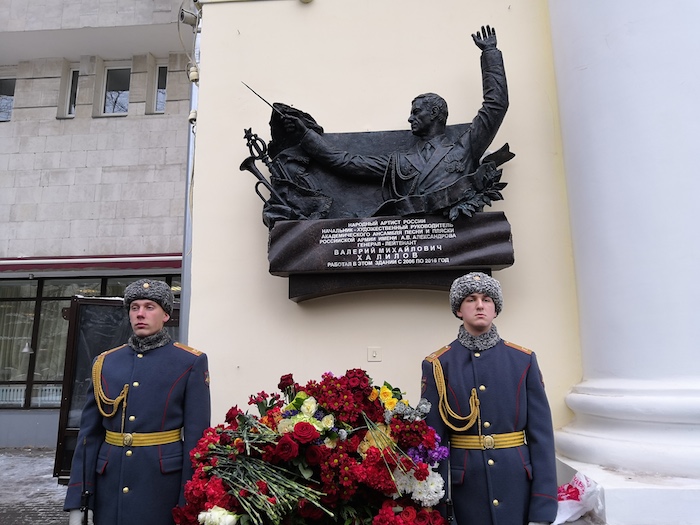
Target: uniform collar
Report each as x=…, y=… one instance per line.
x=478, y=343
x=144, y=344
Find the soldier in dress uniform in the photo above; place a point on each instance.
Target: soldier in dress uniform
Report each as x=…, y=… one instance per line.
x=488, y=401
x=147, y=407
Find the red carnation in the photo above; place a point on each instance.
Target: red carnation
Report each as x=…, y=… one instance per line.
x=286, y=381
x=305, y=432
x=232, y=414
x=286, y=449
x=262, y=486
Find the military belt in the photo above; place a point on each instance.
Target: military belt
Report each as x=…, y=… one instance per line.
x=508, y=440
x=143, y=439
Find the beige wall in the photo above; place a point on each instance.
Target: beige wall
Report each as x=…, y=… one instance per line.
x=355, y=65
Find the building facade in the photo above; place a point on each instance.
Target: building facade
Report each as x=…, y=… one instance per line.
x=94, y=138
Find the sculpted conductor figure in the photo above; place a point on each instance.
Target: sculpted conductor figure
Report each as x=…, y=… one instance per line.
x=488, y=401
x=434, y=168
x=146, y=409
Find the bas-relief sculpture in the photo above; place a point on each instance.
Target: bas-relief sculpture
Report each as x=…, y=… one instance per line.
x=433, y=170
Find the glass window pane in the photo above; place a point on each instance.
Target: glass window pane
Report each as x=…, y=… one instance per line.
x=160, y=89
x=12, y=395
x=71, y=287
x=51, y=345
x=47, y=395
x=16, y=323
x=176, y=287
x=116, y=286
x=7, y=98
x=17, y=289
x=73, y=96
x=117, y=90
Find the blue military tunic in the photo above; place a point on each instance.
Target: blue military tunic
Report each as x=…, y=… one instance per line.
x=499, y=486
x=168, y=390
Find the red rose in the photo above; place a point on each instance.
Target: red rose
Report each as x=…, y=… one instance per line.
x=286, y=448
x=315, y=454
x=423, y=517
x=408, y=514
x=436, y=518
x=305, y=432
x=286, y=381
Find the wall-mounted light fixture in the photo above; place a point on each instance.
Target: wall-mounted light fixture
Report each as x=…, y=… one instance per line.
x=188, y=17
x=27, y=349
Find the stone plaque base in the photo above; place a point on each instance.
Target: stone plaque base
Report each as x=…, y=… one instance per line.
x=328, y=256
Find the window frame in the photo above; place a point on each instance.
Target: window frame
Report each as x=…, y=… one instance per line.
x=13, y=78
x=102, y=101
x=41, y=295
x=69, y=78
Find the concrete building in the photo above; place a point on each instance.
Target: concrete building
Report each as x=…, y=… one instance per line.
x=94, y=134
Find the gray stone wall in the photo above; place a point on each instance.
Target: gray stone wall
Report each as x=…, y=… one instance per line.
x=92, y=185
x=31, y=15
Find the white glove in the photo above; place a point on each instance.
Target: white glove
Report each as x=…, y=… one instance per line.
x=75, y=517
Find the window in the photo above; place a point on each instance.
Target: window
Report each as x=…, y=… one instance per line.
x=7, y=98
x=68, y=92
x=72, y=92
x=116, y=99
x=33, y=334
x=161, y=81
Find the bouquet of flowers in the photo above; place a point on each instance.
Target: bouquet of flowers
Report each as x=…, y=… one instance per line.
x=338, y=450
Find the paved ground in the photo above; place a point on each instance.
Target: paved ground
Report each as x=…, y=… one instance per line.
x=29, y=494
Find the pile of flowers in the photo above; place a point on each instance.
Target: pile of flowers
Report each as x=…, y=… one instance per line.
x=338, y=450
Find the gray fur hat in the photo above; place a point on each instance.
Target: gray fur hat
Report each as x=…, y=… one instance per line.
x=475, y=282
x=156, y=291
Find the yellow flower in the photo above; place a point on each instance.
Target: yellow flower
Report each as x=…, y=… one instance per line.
x=374, y=395
x=390, y=404
x=385, y=394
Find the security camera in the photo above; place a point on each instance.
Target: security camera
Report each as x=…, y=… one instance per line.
x=188, y=17
x=193, y=117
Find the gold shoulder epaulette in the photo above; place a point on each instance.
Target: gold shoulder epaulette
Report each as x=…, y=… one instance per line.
x=188, y=349
x=518, y=347
x=432, y=357
x=112, y=350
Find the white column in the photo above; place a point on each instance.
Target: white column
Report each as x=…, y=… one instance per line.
x=628, y=75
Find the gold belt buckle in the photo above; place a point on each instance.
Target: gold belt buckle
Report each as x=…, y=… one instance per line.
x=128, y=440
x=488, y=442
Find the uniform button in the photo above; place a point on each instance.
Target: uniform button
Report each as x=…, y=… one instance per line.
x=487, y=424
x=482, y=387
x=125, y=490
x=496, y=503
x=129, y=453
x=477, y=354
x=140, y=356
x=132, y=418
x=136, y=383
x=491, y=462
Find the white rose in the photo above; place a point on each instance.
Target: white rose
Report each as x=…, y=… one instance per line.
x=309, y=407
x=328, y=421
x=285, y=425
